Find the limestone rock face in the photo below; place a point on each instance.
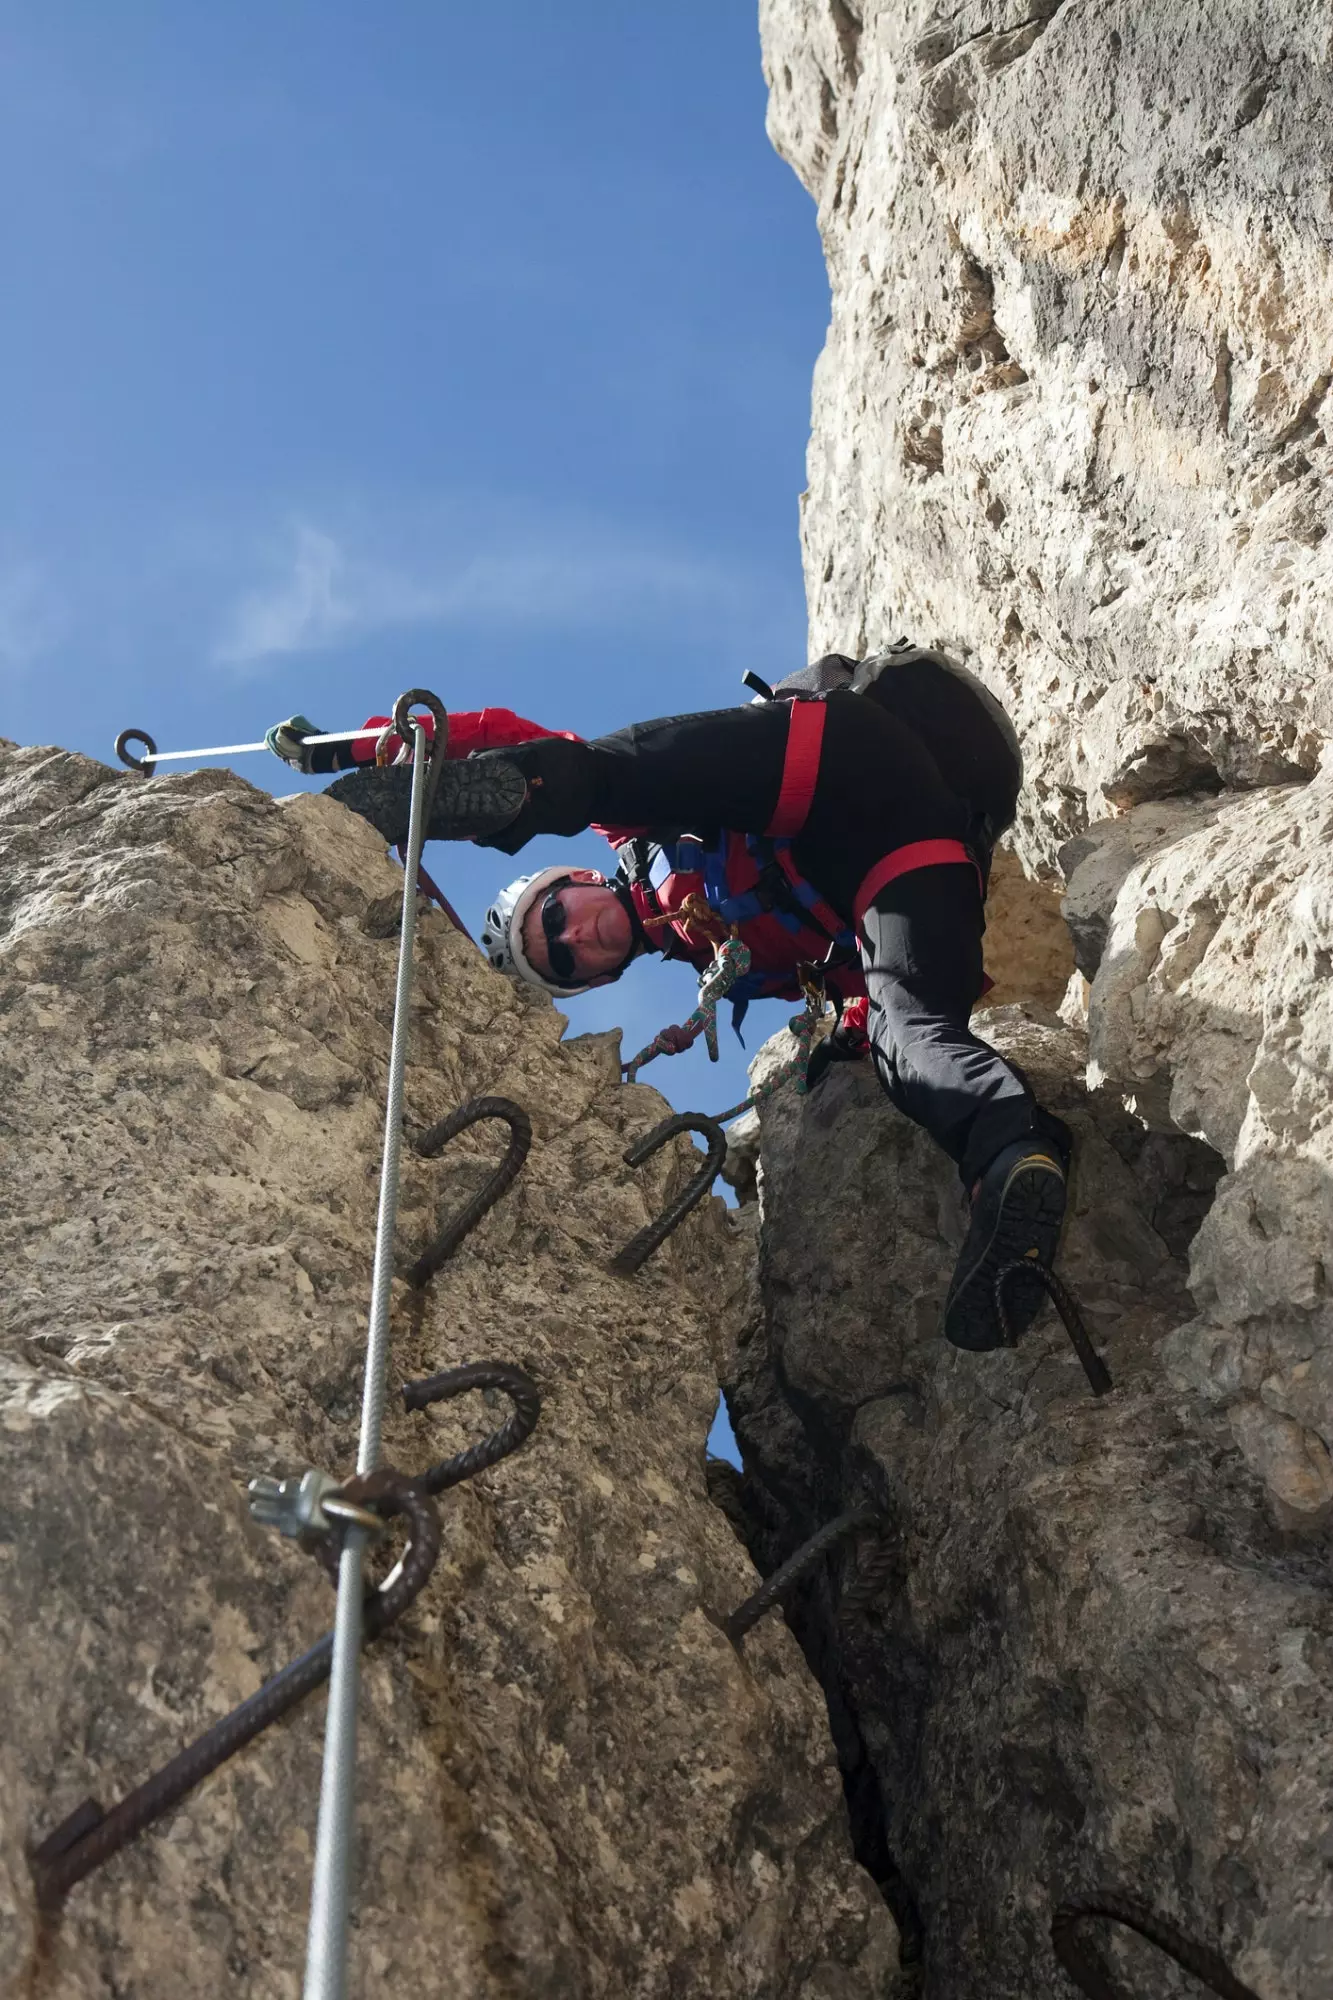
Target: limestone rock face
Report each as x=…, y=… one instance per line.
x=569, y=1782
x=1211, y=1012
x=1071, y=418
x=1094, y=1663
x=1071, y=425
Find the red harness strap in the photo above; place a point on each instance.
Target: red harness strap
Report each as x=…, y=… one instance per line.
x=800, y=770
x=902, y=860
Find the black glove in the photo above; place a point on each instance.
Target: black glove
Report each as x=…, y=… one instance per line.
x=843, y=1045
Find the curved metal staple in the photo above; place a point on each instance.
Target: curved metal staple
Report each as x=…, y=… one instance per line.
x=1087, y=1975
x=775, y=1587
x=436, y=1139
x=144, y=764
x=90, y=1836
x=522, y=1392
x=641, y=1247
x=1096, y=1370
x=874, y=1566
x=438, y=747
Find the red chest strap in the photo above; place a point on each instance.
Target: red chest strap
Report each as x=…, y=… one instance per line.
x=800, y=770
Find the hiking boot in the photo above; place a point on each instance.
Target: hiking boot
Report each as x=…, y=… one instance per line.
x=473, y=795
x=1018, y=1206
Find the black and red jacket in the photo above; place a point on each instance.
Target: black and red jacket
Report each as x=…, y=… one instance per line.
x=689, y=889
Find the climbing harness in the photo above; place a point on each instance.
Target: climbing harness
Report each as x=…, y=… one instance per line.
x=641, y=1247
x=747, y=1615
x=436, y=1139
x=312, y=1511
x=1071, y=1948
x=1096, y=1370
x=147, y=765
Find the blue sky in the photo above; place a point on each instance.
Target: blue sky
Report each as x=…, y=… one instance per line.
x=346, y=349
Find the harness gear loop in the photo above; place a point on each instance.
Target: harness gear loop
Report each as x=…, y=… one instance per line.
x=641, y=1247
x=696, y=911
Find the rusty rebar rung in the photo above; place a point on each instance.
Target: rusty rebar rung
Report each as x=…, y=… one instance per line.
x=1072, y=1952
x=641, y=1247
x=460, y=1226
x=1096, y=1370
x=775, y=1587
x=90, y=1835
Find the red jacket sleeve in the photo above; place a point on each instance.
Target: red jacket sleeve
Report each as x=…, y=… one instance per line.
x=469, y=730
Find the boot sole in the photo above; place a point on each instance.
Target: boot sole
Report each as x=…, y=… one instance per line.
x=1027, y=1223
x=473, y=795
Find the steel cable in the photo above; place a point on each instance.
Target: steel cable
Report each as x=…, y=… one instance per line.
x=326, y=1945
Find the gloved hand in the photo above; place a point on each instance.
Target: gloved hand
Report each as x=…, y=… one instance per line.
x=287, y=740
x=843, y=1045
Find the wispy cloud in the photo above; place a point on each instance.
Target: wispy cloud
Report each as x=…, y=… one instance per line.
x=325, y=589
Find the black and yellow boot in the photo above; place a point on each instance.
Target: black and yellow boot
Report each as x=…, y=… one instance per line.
x=1018, y=1206
x=472, y=796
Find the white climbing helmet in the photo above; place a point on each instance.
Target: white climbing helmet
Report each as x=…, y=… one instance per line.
x=502, y=932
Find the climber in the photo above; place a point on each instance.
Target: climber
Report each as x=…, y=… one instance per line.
x=843, y=821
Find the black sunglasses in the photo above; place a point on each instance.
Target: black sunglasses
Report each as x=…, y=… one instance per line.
x=553, y=924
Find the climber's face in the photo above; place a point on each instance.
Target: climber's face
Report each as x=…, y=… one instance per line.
x=585, y=919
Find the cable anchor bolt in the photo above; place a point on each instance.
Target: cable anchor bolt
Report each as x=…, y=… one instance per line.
x=308, y=1508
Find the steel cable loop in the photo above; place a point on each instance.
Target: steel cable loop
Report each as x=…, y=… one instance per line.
x=144, y=764
x=1071, y=1950
x=437, y=749
x=775, y=1587
x=88, y=1837
x=522, y=1392
x=501, y=1180
x=1096, y=1370
x=641, y=1247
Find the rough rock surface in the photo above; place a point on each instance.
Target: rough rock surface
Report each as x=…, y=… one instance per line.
x=1211, y=1010
x=1070, y=424
x=569, y=1782
x=1094, y=1662
x=1071, y=417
